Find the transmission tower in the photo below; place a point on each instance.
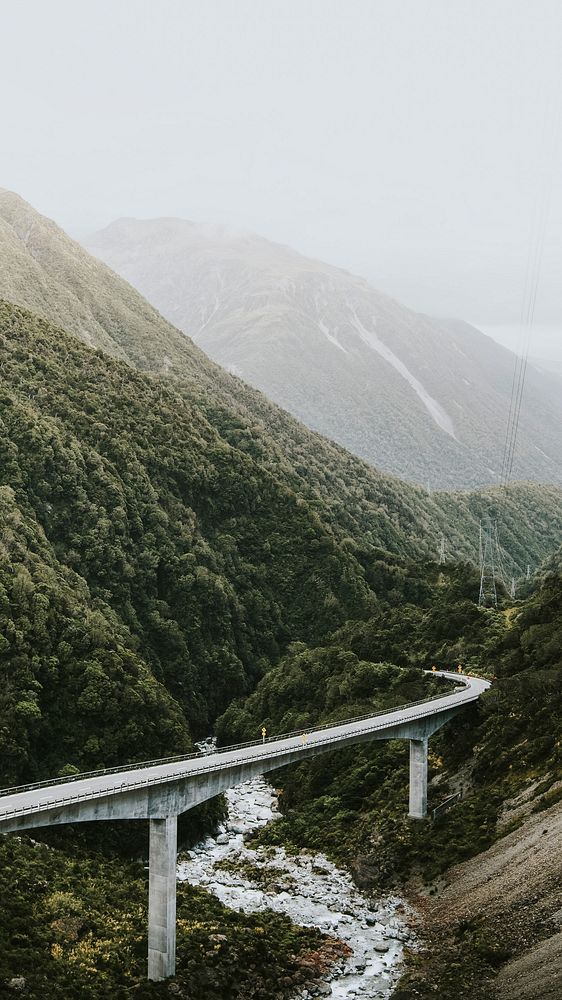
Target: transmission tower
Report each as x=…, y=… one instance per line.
x=442, y=551
x=480, y=549
x=488, y=590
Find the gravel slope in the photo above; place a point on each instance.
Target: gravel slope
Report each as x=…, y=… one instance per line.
x=514, y=890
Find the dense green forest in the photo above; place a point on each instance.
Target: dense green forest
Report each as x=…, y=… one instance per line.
x=44, y=270
x=173, y=548
x=352, y=804
x=169, y=561
x=74, y=927
x=87, y=938
x=341, y=802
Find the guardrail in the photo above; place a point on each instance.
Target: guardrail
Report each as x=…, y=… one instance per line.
x=444, y=806
x=86, y=775
x=46, y=804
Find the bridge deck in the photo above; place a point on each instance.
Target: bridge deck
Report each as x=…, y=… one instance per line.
x=161, y=790
x=65, y=796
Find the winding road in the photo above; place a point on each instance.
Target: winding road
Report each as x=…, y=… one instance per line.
x=161, y=790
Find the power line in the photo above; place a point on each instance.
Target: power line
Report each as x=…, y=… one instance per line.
x=531, y=286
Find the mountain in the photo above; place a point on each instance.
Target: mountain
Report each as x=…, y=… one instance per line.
x=49, y=273
x=148, y=566
x=191, y=527
x=170, y=543
x=485, y=875
x=45, y=271
x=426, y=400
x=153, y=560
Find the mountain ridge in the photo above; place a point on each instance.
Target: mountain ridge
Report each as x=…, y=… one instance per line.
x=424, y=399
x=356, y=498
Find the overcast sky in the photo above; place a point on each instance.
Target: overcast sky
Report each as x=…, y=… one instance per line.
x=407, y=140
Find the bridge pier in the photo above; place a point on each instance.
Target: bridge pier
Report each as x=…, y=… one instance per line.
x=418, y=778
x=162, y=898
x=168, y=788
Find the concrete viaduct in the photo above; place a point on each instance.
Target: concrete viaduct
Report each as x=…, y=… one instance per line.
x=159, y=791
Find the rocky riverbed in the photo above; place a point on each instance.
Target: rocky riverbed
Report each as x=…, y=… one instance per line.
x=310, y=889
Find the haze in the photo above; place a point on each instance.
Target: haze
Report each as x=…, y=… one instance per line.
x=405, y=140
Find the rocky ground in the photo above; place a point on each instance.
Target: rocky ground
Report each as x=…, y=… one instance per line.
x=309, y=889
x=494, y=925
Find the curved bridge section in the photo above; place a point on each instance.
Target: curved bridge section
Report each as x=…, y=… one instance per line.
x=160, y=790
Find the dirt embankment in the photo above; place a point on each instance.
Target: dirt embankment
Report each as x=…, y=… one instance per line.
x=495, y=923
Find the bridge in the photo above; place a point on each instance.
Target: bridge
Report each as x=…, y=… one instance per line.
x=159, y=791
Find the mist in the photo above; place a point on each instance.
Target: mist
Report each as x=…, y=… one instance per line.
x=406, y=141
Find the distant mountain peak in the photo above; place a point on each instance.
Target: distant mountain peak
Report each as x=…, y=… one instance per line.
x=422, y=398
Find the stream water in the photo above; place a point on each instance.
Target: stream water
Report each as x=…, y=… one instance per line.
x=311, y=890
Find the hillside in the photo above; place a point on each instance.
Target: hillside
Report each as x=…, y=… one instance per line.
x=163, y=523
x=167, y=537
x=426, y=400
x=42, y=269
x=129, y=517
x=52, y=275
x=492, y=922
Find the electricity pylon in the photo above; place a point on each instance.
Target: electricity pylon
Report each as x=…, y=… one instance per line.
x=488, y=590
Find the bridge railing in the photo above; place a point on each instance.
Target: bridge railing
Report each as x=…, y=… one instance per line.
x=42, y=805
x=102, y=772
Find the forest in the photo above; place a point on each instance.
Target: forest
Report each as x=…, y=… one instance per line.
x=171, y=560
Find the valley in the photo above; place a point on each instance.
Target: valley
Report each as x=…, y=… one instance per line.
x=280, y=500
x=422, y=398
x=180, y=555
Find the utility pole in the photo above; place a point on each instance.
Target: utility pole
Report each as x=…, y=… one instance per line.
x=480, y=546
x=488, y=591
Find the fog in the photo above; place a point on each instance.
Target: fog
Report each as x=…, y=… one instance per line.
x=406, y=140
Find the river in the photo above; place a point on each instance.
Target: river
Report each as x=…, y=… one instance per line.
x=307, y=887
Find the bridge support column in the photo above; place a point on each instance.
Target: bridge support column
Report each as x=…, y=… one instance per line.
x=162, y=898
x=418, y=778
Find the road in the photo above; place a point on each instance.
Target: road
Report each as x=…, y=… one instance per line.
x=140, y=791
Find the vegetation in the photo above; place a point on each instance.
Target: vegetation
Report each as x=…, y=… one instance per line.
x=353, y=804
x=154, y=562
x=263, y=309
x=118, y=511
x=169, y=544
x=75, y=926
x=42, y=269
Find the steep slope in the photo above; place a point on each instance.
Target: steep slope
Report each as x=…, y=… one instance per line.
x=185, y=532
x=42, y=269
x=74, y=688
x=132, y=508
x=50, y=272
x=503, y=904
x=165, y=535
x=492, y=922
x=425, y=400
